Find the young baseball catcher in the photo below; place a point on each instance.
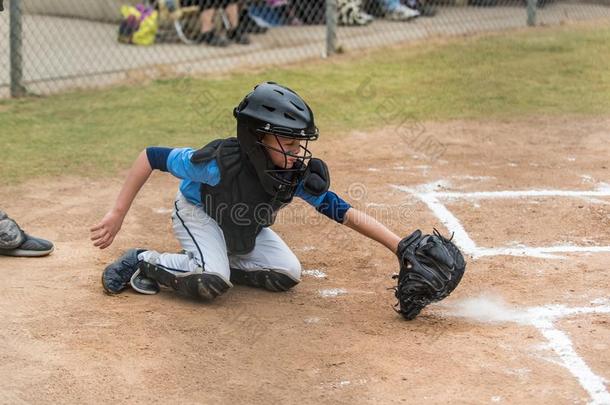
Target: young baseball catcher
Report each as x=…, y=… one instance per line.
x=230, y=193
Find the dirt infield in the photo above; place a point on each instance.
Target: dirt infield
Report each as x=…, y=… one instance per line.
x=334, y=338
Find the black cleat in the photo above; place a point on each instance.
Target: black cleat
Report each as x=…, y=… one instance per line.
x=117, y=275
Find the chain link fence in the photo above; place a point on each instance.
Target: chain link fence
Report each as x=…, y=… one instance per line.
x=52, y=46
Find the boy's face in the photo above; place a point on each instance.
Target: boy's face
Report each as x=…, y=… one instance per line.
x=291, y=147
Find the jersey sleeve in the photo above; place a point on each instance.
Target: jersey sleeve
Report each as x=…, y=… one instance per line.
x=177, y=161
x=329, y=203
x=157, y=157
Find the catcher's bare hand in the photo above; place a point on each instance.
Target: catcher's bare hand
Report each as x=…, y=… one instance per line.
x=104, y=232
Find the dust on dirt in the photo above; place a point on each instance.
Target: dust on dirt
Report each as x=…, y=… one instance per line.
x=63, y=340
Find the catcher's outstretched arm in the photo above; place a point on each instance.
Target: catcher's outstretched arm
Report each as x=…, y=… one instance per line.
x=104, y=232
x=371, y=228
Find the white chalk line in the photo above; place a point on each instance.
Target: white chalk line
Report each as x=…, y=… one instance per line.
x=477, y=195
x=451, y=222
x=549, y=252
x=543, y=318
x=562, y=346
x=432, y=199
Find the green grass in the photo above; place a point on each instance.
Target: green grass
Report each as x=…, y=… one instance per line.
x=553, y=71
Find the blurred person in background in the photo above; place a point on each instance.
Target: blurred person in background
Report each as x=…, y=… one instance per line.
x=396, y=11
x=271, y=13
x=424, y=7
x=209, y=34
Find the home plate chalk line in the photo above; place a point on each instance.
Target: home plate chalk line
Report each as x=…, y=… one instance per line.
x=432, y=197
x=485, y=309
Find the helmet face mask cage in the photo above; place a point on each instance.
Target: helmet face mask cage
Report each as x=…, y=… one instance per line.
x=284, y=175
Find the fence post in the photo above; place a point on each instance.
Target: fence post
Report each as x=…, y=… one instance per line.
x=531, y=12
x=331, y=27
x=15, y=39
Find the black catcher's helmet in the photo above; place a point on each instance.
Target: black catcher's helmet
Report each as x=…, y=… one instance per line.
x=276, y=110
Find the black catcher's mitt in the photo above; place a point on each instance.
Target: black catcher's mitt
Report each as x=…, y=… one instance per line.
x=431, y=266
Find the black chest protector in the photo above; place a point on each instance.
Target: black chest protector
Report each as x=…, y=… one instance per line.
x=238, y=203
